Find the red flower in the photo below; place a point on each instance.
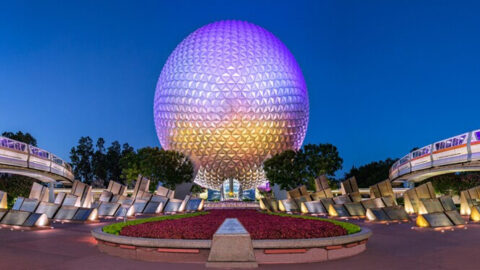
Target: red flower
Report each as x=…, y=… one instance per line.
x=259, y=225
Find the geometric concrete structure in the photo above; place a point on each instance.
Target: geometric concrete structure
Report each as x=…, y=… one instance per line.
x=229, y=96
x=231, y=247
x=469, y=199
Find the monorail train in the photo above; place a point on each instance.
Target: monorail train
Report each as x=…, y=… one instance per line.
x=20, y=154
x=458, y=149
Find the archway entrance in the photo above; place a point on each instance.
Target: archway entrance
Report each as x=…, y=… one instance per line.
x=231, y=190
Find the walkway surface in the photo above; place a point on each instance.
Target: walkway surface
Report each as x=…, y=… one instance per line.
x=395, y=246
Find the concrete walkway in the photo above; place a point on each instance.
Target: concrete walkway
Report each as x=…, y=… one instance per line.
x=396, y=246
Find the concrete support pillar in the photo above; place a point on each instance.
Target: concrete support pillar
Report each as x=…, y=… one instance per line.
x=51, y=193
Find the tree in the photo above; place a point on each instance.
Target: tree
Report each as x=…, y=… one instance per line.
x=371, y=173
x=15, y=186
x=165, y=166
x=81, y=158
x=284, y=170
x=113, y=157
x=290, y=168
x=177, y=168
x=99, y=163
x=20, y=136
x=97, y=166
x=451, y=184
x=130, y=163
x=318, y=159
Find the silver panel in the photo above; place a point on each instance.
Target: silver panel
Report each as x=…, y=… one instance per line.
x=154, y=207
x=108, y=209
x=341, y=211
x=66, y=212
x=49, y=209
x=315, y=207
x=193, y=204
x=14, y=217
x=82, y=214
x=173, y=205
x=29, y=205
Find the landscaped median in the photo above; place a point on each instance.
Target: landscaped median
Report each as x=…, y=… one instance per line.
x=277, y=238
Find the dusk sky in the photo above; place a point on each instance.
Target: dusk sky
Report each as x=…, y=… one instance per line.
x=383, y=76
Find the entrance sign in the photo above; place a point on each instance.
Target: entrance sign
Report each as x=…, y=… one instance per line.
x=231, y=247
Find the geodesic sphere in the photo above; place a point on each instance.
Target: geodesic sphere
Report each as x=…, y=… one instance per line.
x=231, y=95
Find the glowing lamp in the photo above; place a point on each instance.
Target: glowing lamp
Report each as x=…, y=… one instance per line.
x=331, y=211
x=303, y=208
x=475, y=214
x=422, y=222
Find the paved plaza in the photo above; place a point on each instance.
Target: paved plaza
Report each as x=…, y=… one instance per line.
x=394, y=246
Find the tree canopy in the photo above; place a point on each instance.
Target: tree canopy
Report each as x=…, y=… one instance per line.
x=20, y=136
x=371, y=173
x=451, y=184
x=290, y=168
x=95, y=164
x=165, y=166
x=284, y=169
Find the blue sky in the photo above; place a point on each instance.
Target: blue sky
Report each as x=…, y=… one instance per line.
x=383, y=76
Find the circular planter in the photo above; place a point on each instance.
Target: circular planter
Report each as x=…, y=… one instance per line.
x=266, y=251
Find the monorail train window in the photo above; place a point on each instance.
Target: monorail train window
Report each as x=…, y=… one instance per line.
x=57, y=160
x=455, y=142
x=448, y=143
x=440, y=145
x=12, y=145
x=477, y=134
x=418, y=153
x=18, y=146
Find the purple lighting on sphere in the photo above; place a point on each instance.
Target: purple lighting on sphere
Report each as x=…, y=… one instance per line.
x=264, y=187
x=231, y=95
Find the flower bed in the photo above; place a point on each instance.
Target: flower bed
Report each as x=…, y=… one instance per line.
x=259, y=225
x=115, y=228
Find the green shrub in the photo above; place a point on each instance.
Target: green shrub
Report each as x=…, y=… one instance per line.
x=115, y=228
x=15, y=186
x=349, y=227
x=400, y=201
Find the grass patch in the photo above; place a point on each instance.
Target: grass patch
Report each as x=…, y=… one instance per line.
x=115, y=228
x=349, y=227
